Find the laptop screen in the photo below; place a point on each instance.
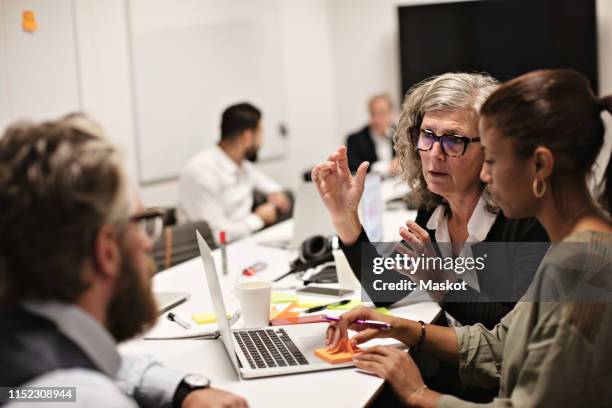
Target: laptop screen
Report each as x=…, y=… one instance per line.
x=216, y=297
x=371, y=207
x=310, y=216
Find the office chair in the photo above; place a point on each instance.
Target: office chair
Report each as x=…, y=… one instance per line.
x=178, y=244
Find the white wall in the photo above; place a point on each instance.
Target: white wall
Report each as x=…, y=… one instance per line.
x=309, y=87
x=604, y=38
x=106, y=87
x=365, y=44
x=336, y=53
x=38, y=71
x=308, y=83
x=365, y=38
x=366, y=53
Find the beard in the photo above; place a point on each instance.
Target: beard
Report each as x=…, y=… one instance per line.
x=251, y=154
x=133, y=309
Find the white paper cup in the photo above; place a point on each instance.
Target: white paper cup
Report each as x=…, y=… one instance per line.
x=254, y=303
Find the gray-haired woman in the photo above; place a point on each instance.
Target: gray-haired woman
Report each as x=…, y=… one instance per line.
x=438, y=147
x=542, y=133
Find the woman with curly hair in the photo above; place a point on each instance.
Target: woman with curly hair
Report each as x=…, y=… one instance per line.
x=541, y=133
x=438, y=146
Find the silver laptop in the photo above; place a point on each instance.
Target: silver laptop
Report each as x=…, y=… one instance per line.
x=265, y=351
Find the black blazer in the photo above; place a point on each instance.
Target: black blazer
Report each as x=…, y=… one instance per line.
x=360, y=147
x=471, y=306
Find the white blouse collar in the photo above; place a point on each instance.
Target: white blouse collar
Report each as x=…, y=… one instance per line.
x=478, y=227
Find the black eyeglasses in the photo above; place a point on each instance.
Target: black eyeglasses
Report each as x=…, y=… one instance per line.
x=453, y=145
x=151, y=222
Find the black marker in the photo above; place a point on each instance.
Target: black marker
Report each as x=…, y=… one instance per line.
x=318, y=308
x=178, y=320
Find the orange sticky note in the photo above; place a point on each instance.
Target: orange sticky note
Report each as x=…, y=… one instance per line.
x=28, y=22
x=341, y=354
x=273, y=313
x=286, y=312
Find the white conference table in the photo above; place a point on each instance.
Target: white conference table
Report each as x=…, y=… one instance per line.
x=347, y=387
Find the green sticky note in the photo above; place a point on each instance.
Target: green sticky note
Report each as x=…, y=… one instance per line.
x=280, y=297
x=350, y=305
x=302, y=304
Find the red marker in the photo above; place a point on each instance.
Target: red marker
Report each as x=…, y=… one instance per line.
x=253, y=269
x=223, y=245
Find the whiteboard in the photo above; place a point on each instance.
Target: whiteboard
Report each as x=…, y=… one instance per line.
x=193, y=58
x=38, y=71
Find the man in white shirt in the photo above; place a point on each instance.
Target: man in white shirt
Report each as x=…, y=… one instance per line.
x=374, y=143
x=75, y=273
x=218, y=184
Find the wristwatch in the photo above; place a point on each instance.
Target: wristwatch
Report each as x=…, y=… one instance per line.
x=190, y=382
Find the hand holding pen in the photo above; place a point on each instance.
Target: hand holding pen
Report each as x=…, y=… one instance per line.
x=368, y=323
x=373, y=324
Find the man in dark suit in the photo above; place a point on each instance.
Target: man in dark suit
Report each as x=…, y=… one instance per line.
x=374, y=143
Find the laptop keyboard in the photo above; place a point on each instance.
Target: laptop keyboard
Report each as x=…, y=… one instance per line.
x=266, y=348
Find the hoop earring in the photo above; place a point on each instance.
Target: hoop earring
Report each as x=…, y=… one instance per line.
x=536, y=192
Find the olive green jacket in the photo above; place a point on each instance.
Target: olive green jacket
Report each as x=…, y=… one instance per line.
x=551, y=353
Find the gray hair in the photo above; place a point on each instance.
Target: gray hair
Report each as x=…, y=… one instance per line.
x=453, y=91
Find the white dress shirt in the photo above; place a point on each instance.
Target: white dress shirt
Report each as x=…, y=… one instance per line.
x=123, y=380
x=212, y=187
x=384, y=153
x=478, y=227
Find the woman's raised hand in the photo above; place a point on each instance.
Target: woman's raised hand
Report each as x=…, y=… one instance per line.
x=341, y=192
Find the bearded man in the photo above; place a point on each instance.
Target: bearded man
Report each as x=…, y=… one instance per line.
x=75, y=274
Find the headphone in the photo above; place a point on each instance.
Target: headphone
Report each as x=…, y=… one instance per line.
x=314, y=248
x=313, y=251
